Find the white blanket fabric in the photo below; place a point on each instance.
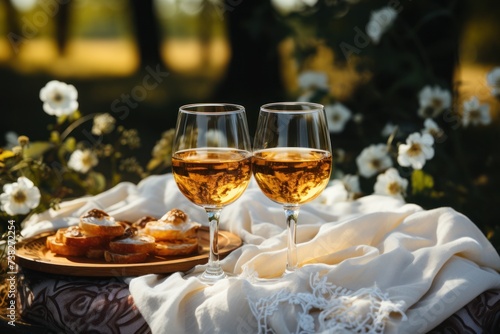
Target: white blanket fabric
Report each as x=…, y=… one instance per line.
x=375, y=264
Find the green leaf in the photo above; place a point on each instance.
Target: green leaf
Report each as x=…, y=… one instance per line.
x=36, y=150
x=154, y=163
x=96, y=182
x=69, y=144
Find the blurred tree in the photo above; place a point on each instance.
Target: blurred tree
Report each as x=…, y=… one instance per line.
x=253, y=77
x=147, y=31
x=62, y=25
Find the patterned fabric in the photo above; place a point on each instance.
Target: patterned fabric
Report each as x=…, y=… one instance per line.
x=79, y=305
x=481, y=315
x=65, y=304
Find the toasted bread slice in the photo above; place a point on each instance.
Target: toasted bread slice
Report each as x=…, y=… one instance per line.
x=162, y=230
x=140, y=243
x=125, y=258
x=98, y=222
x=76, y=236
x=95, y=253
x=63, y=249
x=102, y=230
x=176, y=247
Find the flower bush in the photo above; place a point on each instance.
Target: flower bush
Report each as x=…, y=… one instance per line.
x=400, y=122
x=77, y=159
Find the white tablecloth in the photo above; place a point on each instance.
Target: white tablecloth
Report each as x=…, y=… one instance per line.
x=374, y=264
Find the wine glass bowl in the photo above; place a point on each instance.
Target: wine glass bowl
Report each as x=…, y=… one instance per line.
x=292, y=176
x=211, y=164
x=211, y=178
x=292, y=160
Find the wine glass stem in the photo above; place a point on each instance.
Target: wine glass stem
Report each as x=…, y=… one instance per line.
x=292, y=214
x=213, y=270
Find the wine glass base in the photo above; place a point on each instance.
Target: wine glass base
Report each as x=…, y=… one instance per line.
x=265, y=280
x=212, y=276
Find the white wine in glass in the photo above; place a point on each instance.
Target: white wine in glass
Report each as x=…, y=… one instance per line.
x=292, y=160
x=211, y=164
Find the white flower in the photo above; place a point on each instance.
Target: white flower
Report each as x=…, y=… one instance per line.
x=493, y=79
x=432, y=128
x=312, y=80
x=380, y=21
x=340, y=190
x=351, y=184
x=82, y=160
x=373, y=159
x=337, y=115
x=215, y=138
x=334, y=193
x=475, y=113
x=391, y=183
x=416, y=151
x=19, y=197
x=285, y=7
x=433, y=100
x=59, y=98
x=103, y=123
x=306, y=97
x=11, y=139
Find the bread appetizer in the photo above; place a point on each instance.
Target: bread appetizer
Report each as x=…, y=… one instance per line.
x=100, y=236
x=60, y=248
x=174, y=225
x=76, y=236
x=176, y=247
x=98, y=222
x=139, y=243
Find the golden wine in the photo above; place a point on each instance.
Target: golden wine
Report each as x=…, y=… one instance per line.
x=212, y=177
x=292, y=175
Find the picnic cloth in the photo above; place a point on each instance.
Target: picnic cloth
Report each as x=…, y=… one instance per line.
x=371, y=265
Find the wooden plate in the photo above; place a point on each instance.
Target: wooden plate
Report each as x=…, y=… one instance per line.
x=33, y=254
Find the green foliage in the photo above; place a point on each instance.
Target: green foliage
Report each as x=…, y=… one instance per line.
x=420, y=48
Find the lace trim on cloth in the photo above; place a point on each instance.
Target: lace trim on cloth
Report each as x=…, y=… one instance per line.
x=329, y=309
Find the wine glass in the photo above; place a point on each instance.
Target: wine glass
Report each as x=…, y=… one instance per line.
x=212, y=164
x=292, y=160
